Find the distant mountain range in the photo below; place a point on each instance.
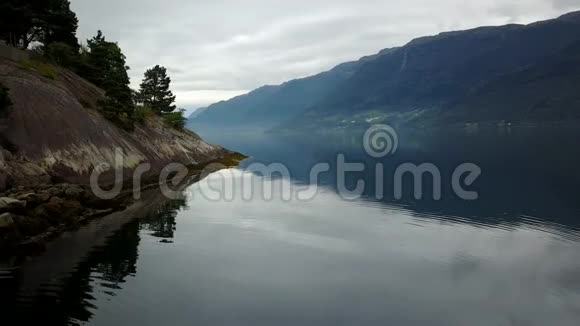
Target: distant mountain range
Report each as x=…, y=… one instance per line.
x=512, y=73
x=268, y=106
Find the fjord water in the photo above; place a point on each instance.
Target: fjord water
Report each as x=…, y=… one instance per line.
x=512, y=257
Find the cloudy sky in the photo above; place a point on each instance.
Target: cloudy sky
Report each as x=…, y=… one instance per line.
x=217, y=49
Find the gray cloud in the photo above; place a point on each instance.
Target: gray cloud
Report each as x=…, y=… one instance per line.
x=566, y=4
x=215, y=49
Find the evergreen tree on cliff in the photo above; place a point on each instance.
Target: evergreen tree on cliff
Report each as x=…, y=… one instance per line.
x=60, y=24
x=106, y=68
x=47, y=21
x=16, y=23
x=155, y=91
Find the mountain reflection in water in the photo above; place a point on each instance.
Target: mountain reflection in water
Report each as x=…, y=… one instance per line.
x=511, y=257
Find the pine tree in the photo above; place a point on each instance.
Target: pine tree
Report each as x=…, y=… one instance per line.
x=17, y=19
x=155, y=91
x=60, y=24
x=107, y=69
x=45, y=21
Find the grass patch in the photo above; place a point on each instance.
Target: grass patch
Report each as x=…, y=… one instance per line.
x=142, y=113
x=45, y=69
x=229, y=160
x=175, y=120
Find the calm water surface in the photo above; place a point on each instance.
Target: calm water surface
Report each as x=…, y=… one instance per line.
x=510, y=258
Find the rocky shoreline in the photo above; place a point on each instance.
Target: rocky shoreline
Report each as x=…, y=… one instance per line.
x=30, y=216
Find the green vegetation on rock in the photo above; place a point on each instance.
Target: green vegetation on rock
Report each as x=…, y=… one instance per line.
x=176, y=120
x=142, y=113
x=63, y=55
x=45, y=69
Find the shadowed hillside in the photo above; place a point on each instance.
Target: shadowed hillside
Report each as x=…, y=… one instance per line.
x=477, y=75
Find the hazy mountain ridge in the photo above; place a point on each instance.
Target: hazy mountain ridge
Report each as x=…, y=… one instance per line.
x=452, y=77
x=269, y=105
x=431, y=75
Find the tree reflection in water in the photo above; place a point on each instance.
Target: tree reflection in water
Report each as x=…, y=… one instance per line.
x=70, y=300
x=162, y=223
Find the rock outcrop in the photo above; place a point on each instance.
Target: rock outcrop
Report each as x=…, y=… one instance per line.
x=54, y=132
x=53, y=137
x=46, y=209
